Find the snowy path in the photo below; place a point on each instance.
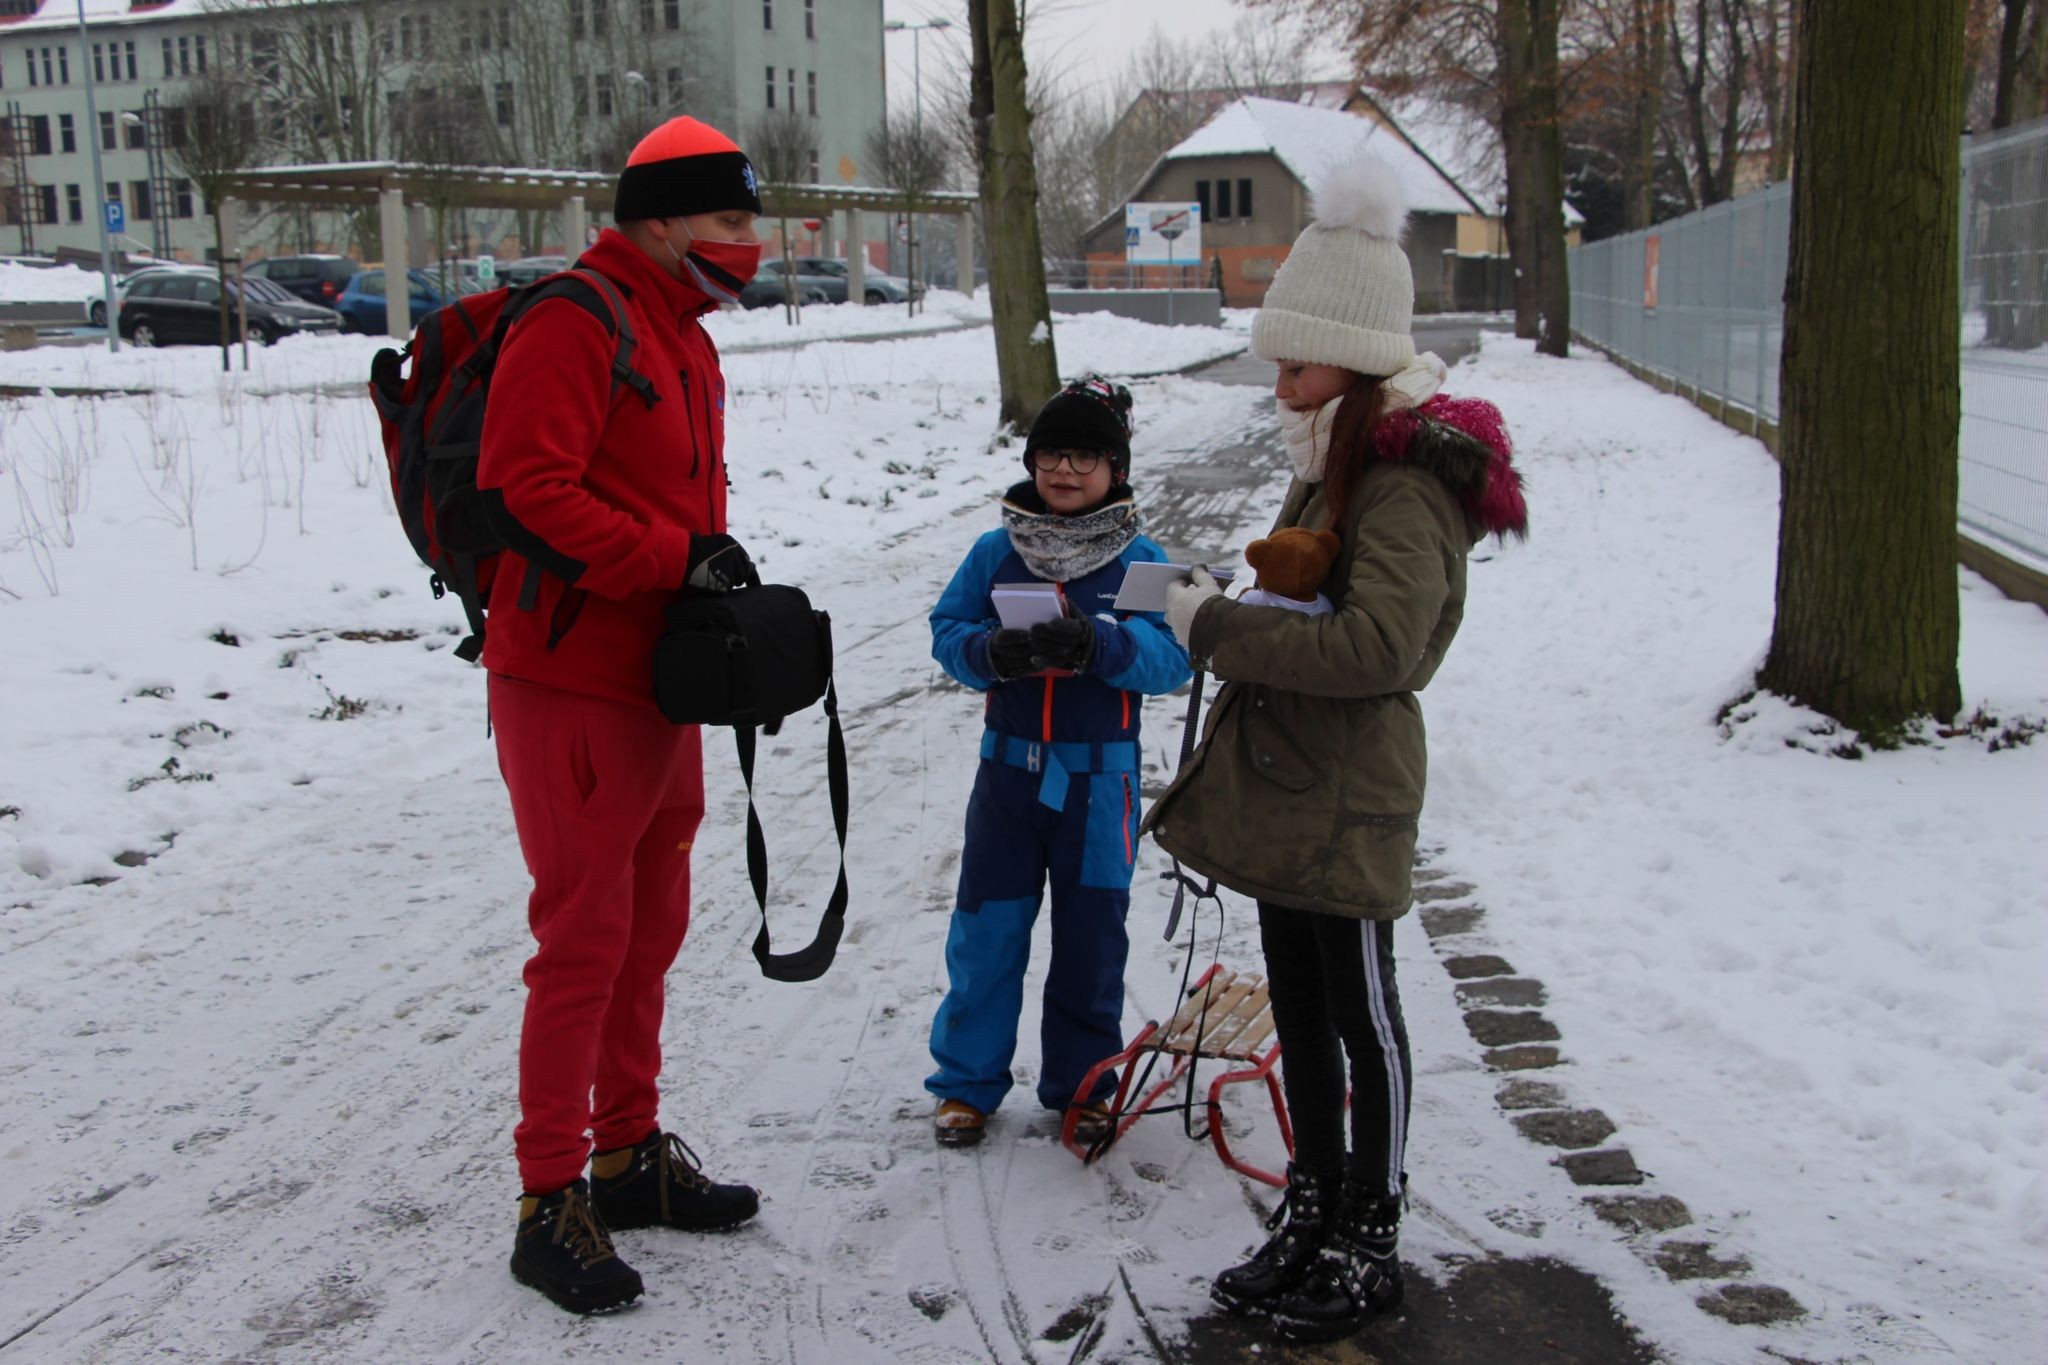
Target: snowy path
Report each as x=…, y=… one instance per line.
x=255, y=1095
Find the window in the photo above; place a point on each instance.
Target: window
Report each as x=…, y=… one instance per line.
x=199, y=51
x=600, y=18
x=47, y=194
x=1222, y=199
x=49, y=74
x=184, y=56
x=64, y=66
x=426, y=36
x=405, y=35
x=67, y=132
x=108, y=140
x=811, y=91
x=140, y=213
x=263, y=54
x=810, y=18
x=792, y=90
x=582, y=100
x=771, y=87
x=647, y=16
x=673, y=87
x=31, y=55
x=137, y=132
x=74, y=205
x=1202, y=198
x=768, y=14
x=814, y=165
x=577, y=25
x=39, y=135
x=672, y=14
x=128, y=50
x=170, y=62
x=181, y=191
x=505, y=28
x=504, y=104
x=99, y=65
x=604, y=94
x=206, y=289
x=1244, y=198
x=172, y=124
x=372, y=284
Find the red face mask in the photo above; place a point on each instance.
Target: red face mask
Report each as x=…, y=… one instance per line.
x=719, y=269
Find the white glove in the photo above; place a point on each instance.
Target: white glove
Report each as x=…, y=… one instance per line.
x=1183, y=600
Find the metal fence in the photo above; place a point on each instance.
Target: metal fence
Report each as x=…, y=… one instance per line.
x=1699, y=300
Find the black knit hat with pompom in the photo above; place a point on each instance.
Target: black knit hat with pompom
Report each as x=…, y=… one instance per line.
x=1089, y=414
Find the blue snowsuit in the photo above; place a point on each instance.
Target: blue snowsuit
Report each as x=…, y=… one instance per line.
x=1056, y=794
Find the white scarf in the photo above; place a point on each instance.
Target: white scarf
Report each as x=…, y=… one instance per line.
x=1308, y=433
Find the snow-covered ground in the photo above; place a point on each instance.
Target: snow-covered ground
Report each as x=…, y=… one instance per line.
x=258, y=1087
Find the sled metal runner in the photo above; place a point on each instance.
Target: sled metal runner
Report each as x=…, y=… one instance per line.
x=1226, y=1017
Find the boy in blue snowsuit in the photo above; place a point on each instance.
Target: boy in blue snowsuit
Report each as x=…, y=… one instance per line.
x=1057, y=791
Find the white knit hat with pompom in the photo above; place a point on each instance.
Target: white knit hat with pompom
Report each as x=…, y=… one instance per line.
x=1345, y=294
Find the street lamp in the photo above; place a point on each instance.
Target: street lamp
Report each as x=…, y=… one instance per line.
x=99, y=184
x=916, y=66
x=917, y=121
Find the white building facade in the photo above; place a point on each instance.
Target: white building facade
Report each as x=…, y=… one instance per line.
x=563, y=84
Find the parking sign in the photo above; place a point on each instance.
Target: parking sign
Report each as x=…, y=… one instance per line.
x=117, y=217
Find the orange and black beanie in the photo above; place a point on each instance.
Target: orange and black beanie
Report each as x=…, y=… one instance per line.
x=685, y=167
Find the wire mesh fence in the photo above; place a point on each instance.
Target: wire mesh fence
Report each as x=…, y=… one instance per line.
x=1699, y=300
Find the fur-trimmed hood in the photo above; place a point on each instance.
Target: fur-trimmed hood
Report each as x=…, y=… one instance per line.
x=1465, y=443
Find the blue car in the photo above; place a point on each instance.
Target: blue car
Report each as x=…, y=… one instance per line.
x=361, y=304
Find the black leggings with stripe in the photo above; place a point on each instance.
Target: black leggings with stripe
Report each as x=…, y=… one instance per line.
x=1332, y=981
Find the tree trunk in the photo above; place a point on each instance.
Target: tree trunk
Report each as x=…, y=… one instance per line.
x=1026, y=363
x=2011, y=34
x=1546, y=172
x=1867, y=616
x=220, y=269
x=792, y=307
x=1524, y=257
x=1651, y=25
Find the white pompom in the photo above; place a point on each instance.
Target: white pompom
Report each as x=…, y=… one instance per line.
x=1364, y=193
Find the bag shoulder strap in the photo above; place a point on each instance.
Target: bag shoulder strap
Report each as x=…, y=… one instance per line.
x=811, y=961
x=599, y=297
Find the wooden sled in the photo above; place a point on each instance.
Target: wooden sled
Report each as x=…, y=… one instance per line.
x=1227, y=1017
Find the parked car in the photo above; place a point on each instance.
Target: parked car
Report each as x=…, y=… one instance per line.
x=361, y=304
x=527, y=269
x=163, y=307
x=876, y=286
x=765, y=289
x=314, y=278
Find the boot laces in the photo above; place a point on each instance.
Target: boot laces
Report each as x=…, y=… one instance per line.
x=577, y=1227
x=676, y=1162
x=1298, y=1209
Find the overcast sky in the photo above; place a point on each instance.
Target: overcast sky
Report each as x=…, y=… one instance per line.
x=1093, y=39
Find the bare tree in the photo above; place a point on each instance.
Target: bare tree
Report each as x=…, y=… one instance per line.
x=912, y=159
x=780, y=146
x=1027, y=366
x=1867, y=614
x=216, y=137
x=438, y=126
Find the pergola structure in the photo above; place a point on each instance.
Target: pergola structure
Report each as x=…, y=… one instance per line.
x=393, y=185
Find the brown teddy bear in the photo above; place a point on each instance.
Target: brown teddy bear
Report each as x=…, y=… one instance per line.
x=1292, y=563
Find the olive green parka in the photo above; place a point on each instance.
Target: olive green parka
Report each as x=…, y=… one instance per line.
x=1309, y=779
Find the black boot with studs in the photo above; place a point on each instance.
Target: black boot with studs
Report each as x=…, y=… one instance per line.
x=1357, y=1276
x=1303, y=1223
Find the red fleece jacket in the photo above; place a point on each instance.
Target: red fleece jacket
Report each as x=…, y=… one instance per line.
x=610, y=489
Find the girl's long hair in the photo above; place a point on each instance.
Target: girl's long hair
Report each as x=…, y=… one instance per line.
x=1364, y=403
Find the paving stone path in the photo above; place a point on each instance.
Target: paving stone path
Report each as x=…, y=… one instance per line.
x=1503, y=1012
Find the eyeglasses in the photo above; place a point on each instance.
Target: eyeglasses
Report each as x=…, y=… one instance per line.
x=1080, y=461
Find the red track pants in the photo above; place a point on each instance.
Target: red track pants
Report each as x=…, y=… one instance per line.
x=607, y=798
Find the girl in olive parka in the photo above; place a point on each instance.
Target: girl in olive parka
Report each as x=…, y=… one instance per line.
x=1308, y=783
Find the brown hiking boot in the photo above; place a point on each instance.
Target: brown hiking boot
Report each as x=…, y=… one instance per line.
x=959, y=1124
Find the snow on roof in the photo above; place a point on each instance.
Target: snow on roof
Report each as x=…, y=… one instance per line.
x=1461, y=140
x=63, y=14
x=1308, y=140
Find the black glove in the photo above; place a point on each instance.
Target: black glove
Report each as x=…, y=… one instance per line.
x=718, y=563
x=1010, y=653
x=1067, y=643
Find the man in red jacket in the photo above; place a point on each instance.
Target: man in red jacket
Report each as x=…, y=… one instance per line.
x=610, y=503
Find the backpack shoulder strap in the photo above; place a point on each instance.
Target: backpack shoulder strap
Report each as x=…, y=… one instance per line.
x=600, y=298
